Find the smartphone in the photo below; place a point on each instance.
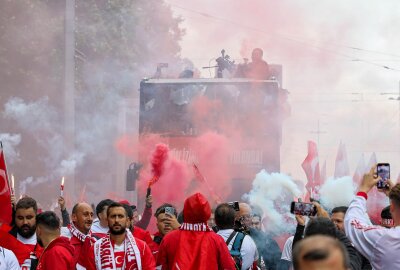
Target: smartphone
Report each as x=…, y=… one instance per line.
x=170, y=211
x=303, y=209
x=383, y=171
x=234, y=205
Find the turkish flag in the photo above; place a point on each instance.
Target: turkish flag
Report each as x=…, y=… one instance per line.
x=310, y=166
x=5, y=194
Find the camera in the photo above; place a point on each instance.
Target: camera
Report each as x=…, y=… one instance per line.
x=234, y=205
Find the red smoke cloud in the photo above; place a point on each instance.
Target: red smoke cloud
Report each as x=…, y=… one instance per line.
x=160, y=155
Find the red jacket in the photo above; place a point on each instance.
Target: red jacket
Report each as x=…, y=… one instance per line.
x=194, y=250
x=146, y=237
x=59, y=255
x=81, y=250
x=157, y=238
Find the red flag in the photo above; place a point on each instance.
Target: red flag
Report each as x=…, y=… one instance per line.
x=341, y=164
x=5, y=193
x=311, y=167
x=199, y=177
x=197, y=174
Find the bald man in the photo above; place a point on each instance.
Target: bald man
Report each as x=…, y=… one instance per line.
x=79, y=232
x=320, y=252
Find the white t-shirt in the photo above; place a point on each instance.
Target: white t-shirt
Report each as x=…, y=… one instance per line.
x=8, y=261
x=248, y=249
x=66, y=232
x=27, y=241
x=119, y=255
x=97, y=228
x=287, y=249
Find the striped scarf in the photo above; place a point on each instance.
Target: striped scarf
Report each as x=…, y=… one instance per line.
x=104, y=253
x=195, y=227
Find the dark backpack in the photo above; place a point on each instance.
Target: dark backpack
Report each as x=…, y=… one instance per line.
x=236, y=246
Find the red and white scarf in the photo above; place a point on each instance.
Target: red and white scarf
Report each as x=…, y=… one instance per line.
x=78, y=234
x=195, y=227
x=104, y=253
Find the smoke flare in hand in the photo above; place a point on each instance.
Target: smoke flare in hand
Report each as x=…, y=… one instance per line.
x=160, y=155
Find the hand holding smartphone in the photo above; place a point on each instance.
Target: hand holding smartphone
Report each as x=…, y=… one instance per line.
x=303, y=209
x=383, y=171
x=170, y=211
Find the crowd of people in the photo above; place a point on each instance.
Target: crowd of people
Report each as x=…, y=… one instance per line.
x=112, y=236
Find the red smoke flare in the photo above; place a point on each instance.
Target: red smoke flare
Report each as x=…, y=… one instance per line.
x=160, y=155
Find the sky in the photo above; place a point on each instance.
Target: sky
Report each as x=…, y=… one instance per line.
x=340, y=61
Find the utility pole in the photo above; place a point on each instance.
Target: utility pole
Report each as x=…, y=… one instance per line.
x=69, y=91
x=318, y=132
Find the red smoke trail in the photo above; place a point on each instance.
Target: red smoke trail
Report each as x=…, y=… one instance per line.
x=160, y=155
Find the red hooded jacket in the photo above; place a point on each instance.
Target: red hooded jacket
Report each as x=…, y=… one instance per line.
x=202, y=250
x=59, y=254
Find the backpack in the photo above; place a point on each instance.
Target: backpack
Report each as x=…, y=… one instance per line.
x=236, y=246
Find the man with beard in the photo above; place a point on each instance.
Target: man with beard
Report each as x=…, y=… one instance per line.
x=25, y=228
x=79, y=233
x=58, y=253
x=119, y=250
x=137, y=231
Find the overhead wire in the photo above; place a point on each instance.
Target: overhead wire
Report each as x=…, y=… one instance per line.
x=297, y=40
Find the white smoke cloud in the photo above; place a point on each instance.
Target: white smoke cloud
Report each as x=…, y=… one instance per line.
x=337, y=192
x=68, y=166
x=30, y=182
x=42, y=121
x=34, y=116
x=10, y=142
x=273, y=194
